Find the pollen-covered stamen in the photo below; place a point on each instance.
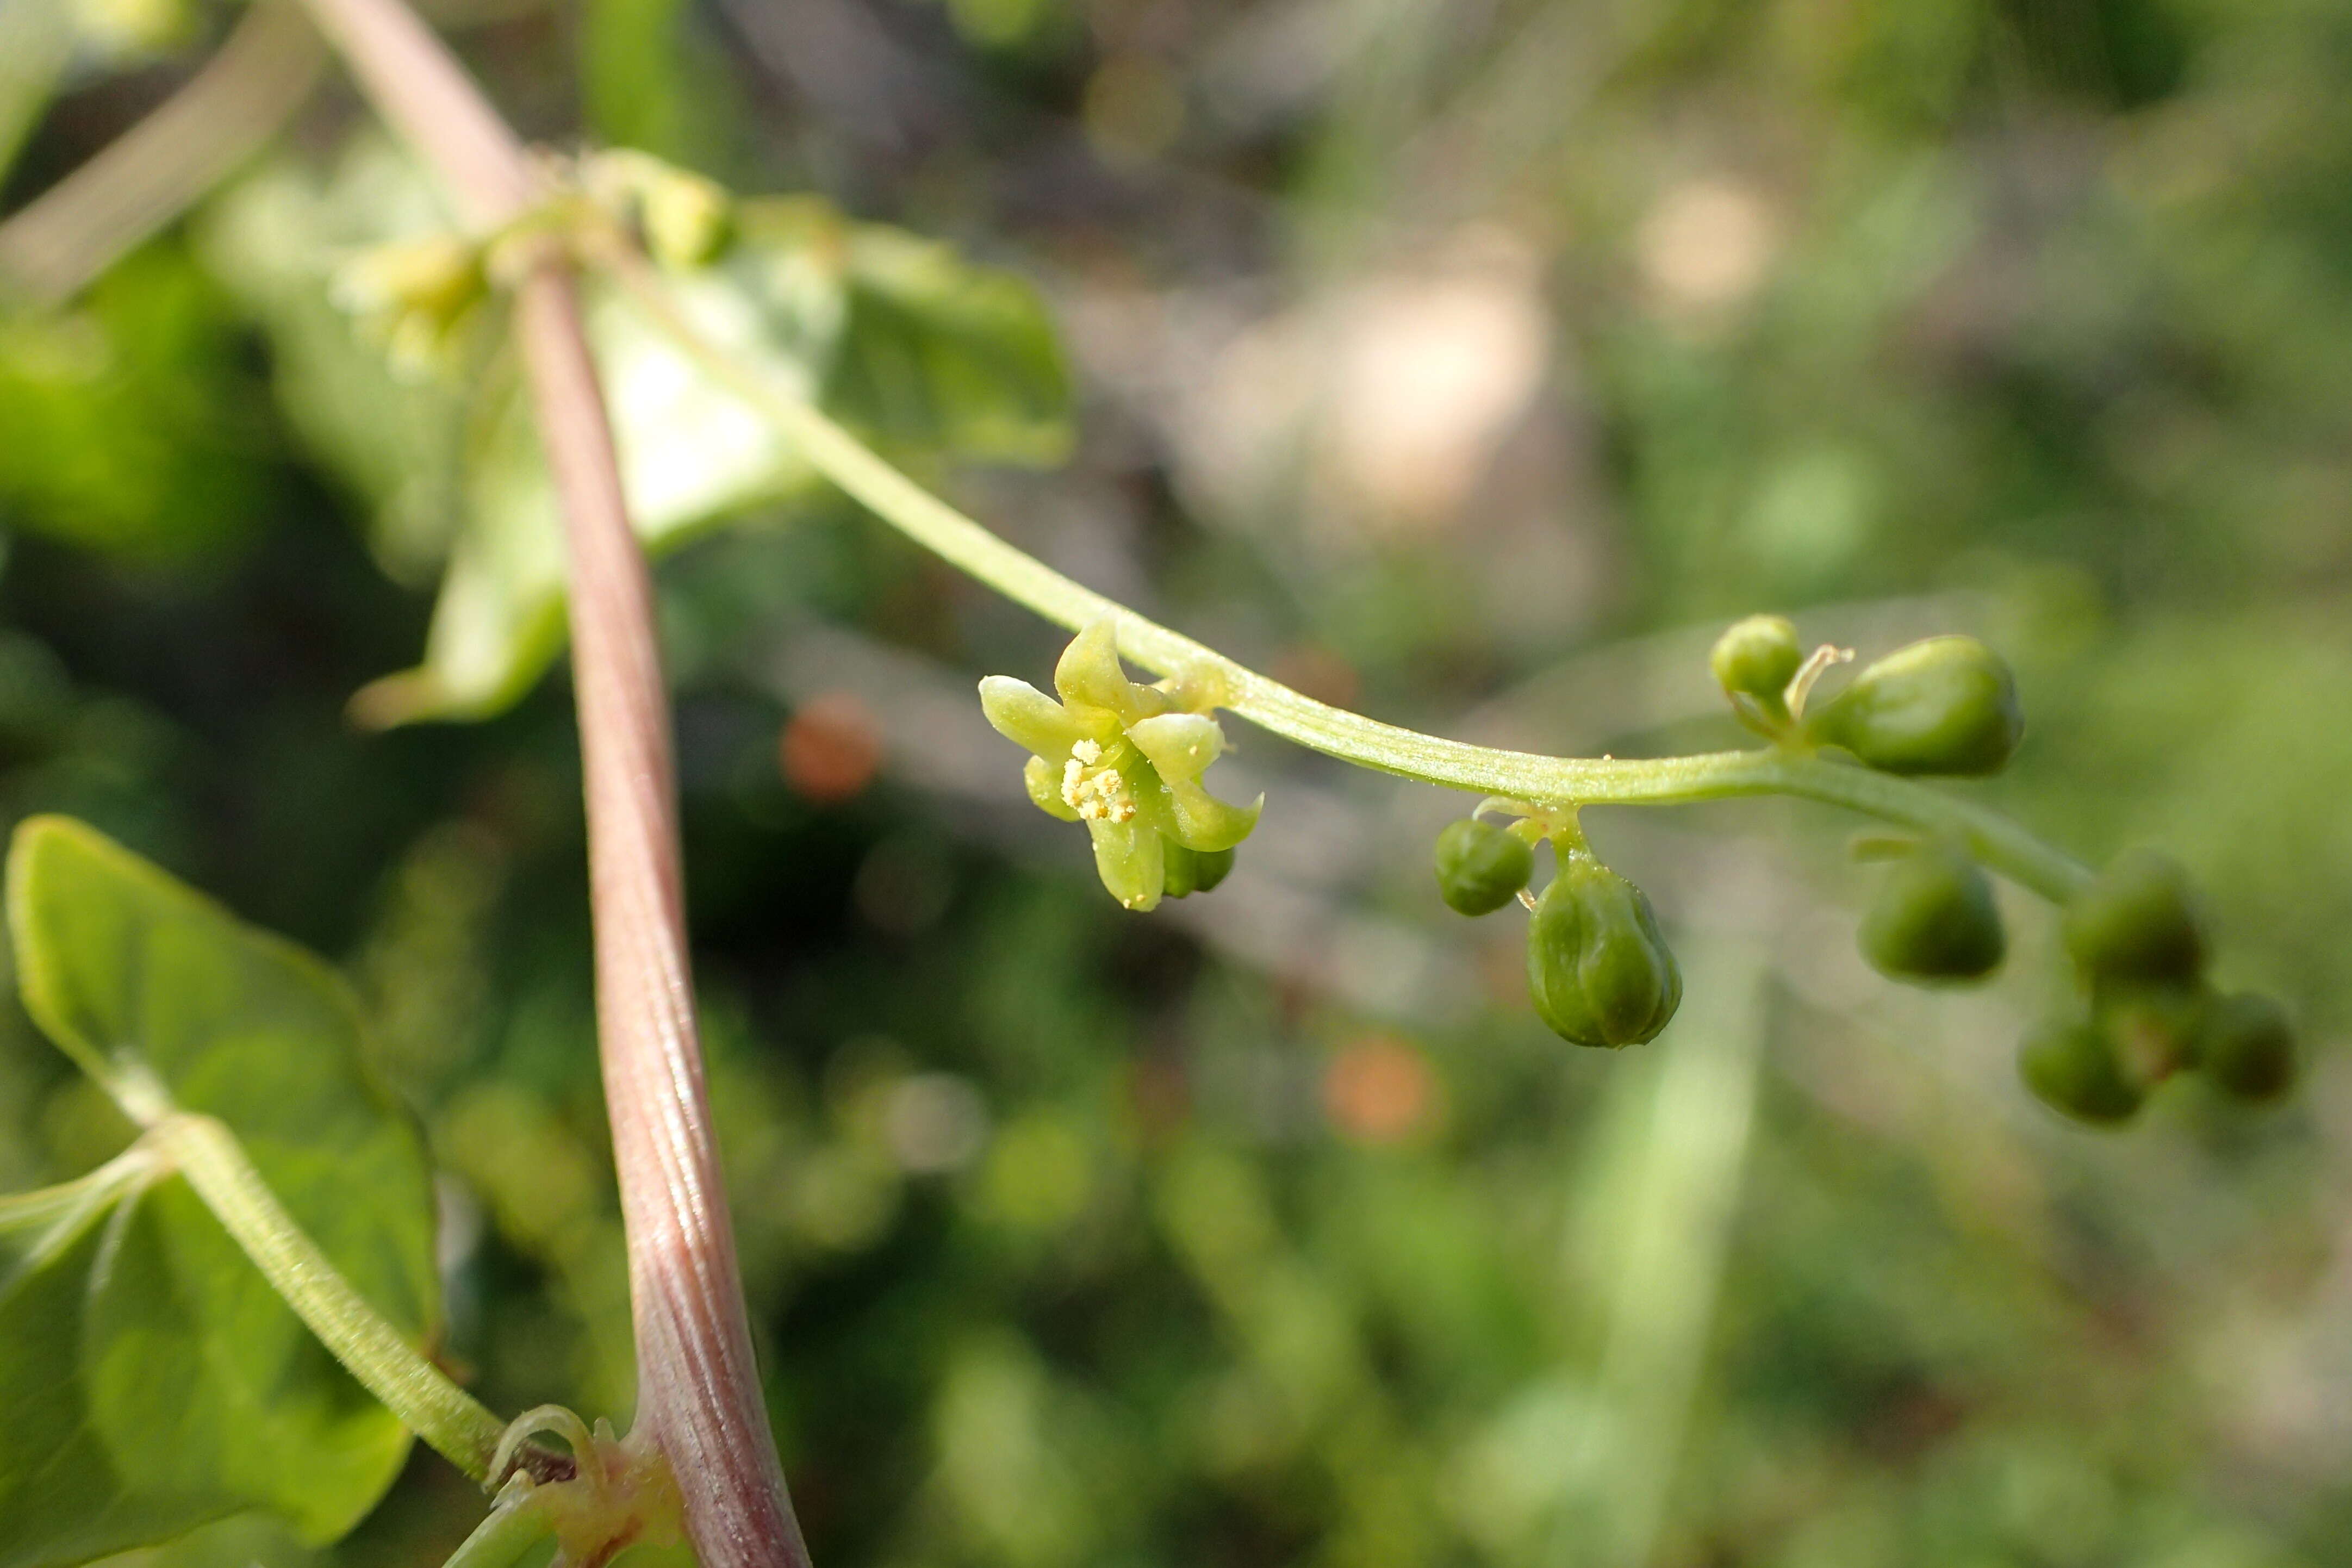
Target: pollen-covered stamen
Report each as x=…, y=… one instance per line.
x=1111, y=790
x=1096, y=794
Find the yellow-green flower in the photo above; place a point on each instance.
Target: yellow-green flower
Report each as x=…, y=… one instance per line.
x=412, y=297
x=1126, y=760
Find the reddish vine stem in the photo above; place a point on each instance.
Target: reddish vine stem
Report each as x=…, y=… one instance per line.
x=699, y=1390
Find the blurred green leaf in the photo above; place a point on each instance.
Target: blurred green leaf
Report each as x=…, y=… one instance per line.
x=273, y=241
x=153, y=1380
x=125, y=417
x=947, y=357
x=925, y=353
x=930, y=356
x=1001, y=24
x=642, y=84
x=691, y=456
x=249, y=1540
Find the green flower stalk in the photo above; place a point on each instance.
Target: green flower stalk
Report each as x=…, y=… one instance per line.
x=1126, y=760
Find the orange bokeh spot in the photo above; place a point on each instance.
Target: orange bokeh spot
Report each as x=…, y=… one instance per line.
x=831, y=749
x=1379, y=1090
x=1320, y=672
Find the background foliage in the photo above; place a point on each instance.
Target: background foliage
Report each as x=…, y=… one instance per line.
x=1465, y=360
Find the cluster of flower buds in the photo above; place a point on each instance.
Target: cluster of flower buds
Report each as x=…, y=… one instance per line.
x=1598, y=969
x=1947, y=705
x=2138, y=944
x=1126, y=760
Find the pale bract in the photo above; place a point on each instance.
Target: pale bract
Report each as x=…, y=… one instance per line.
x=1126, y=760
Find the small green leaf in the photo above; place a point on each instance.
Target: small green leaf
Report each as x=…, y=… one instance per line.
x=151, y=1378
x=892, y=334
x=454, y=472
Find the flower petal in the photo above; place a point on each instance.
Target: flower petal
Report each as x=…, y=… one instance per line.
x=1204, y=823
x=1152, y=807
x=1089, y=671
x=1190, y=873
x=1028, y=717
x=1178, y=744
x=1128, y=858
x=1044, y=781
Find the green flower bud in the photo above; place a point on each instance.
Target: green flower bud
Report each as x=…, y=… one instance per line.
x=2072, y=1069
x=1598, y=969
x=1194, y=871
x=1758, y=657
x=1947, y=705
x=1481, y=866
x=2247, y=1046
x=2137, y=921
x=1933, y=918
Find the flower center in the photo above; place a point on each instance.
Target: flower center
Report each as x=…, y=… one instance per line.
x=1096, y=793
